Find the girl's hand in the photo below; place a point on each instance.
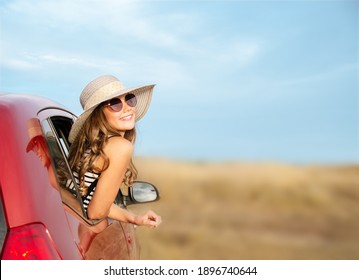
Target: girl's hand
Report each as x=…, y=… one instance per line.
x=150, y=219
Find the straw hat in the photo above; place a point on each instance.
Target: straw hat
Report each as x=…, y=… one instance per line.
x=105, y=88
x=34, y=130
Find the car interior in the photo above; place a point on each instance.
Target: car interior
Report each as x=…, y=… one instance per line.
x=57, y=129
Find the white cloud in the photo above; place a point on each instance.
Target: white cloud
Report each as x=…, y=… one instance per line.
x=241, y=53
x=79, y=11
x=26, y=61
x=130, y=18
x=19, y=64
x=63, y=60
x=164, y=43
x=132, y=21
x=136, y=21
x=167, y=71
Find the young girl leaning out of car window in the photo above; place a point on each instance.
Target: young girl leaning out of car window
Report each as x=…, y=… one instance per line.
x=102, y=140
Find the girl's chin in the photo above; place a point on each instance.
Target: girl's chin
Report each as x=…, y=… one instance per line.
x=124, y=128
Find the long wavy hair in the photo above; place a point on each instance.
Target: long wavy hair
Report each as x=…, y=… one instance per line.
x=88, y=147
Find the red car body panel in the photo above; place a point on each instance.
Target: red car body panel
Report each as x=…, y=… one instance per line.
x=28, y=196
x=25, y=186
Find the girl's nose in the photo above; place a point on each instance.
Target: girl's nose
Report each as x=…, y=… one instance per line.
x=125, y=106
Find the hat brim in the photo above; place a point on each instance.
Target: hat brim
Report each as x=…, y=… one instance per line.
x=143, y=95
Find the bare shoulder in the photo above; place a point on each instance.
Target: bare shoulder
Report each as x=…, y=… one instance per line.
x=118, y=146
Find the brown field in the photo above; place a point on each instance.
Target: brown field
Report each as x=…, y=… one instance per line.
x=251, y=211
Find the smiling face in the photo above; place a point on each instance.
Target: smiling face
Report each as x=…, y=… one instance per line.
x=124, y=119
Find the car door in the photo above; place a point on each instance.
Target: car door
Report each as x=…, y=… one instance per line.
x=104, y=239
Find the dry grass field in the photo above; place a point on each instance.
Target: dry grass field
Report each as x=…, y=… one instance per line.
x=229, y=210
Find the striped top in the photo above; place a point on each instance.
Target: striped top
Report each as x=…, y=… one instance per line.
x=91, y=179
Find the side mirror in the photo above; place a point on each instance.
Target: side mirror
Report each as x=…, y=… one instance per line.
x=142, y=192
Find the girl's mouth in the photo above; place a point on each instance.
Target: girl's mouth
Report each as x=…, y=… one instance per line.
x=126, y=118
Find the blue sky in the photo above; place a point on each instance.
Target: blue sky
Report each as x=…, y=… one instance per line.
x=236, y=80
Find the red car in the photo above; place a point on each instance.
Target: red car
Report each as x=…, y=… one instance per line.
x=39, y=217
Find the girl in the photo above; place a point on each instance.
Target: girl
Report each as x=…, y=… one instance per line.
x=102, y=140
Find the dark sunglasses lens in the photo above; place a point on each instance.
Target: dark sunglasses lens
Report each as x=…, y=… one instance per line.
x=115, y=104
x=131, y=99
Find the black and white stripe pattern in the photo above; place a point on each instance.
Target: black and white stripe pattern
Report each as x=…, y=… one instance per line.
x=91, y=179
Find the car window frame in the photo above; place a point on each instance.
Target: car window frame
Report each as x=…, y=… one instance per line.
x=59, y=146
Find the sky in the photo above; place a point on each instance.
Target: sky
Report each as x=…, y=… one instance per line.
x=235, y=80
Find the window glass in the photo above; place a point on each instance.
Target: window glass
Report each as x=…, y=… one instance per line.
x=56, y=131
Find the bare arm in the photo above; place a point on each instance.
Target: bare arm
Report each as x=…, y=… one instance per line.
x=148, y=219
x=119, y=152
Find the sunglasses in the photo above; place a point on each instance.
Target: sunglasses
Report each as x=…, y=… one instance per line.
x=116, y=104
